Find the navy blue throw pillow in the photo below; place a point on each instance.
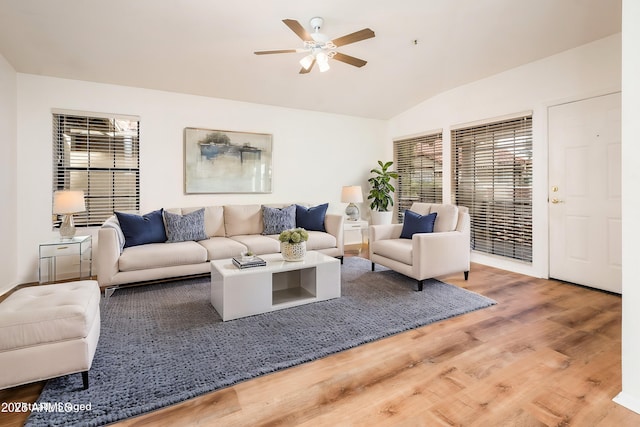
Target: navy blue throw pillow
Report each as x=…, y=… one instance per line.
x=142, y=229
x=311, y=219
x=416, y=223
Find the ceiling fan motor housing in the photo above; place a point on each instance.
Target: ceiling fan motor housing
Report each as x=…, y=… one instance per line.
x=316, y=23
x=320, y=41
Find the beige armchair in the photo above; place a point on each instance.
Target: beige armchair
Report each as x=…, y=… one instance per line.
x=446, y=250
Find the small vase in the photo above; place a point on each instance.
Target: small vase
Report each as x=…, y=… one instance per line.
x=293, y=251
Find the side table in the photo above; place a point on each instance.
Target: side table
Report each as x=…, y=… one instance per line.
x=78, y=246
x=357, y=225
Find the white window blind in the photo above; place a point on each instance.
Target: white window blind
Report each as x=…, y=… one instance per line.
x=98, y=155
x=493, y=178
x=419, y=164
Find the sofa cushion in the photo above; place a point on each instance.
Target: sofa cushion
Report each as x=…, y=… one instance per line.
x=320, y=240
x=276, y=220
x=213, y=220
x=396, y=249
x=311, y=219
x=421, y=208
x=183, y=228
x=142, y=229
x=157, y=255
x=222, y=247
x=243, y=219
x=447, y=219
x=416, y=223
x=260, y=244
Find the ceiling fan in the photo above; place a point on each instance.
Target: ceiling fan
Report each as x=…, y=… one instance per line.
x=319, y=48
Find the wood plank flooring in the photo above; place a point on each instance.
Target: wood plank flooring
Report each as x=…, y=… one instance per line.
x=548, y=354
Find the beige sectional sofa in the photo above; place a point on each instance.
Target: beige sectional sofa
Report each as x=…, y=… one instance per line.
x=230, y=229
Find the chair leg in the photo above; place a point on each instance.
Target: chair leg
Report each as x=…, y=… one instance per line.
x=420, y=282
x=85, y=379
x=373, y=266
x=466, y=275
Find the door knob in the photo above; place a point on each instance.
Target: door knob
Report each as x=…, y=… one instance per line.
x=556, y=201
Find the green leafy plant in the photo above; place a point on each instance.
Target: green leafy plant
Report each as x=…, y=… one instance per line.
x=294, y=235
x=381, y=193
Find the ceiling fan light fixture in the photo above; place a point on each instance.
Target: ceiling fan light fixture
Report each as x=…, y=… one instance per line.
x=323, y=67
x=307, y=61
x=322, y=57
x=323, y=61
x=319, y=47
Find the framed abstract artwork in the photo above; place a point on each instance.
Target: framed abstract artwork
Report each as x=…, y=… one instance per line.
x=220, y=161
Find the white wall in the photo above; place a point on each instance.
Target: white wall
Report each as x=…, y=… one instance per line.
x=315, y=154
x=327, y=150
x=630, y=396
x=8, y=176
x=582, y=72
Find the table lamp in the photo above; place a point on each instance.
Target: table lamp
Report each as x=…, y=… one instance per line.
x=352, y=194
x=66, y=203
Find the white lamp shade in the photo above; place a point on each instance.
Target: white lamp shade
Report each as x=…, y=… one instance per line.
x=68, y=202
x=323, y=66
x=352, y=194
x=307, y=61
x=323, y=62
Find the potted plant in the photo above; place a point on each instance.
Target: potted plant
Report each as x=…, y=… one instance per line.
x=381, y=193
x=293, y=244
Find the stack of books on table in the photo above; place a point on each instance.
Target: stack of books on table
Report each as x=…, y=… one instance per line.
x=247, y=263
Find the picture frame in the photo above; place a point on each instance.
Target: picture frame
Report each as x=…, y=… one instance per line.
x=222, y=161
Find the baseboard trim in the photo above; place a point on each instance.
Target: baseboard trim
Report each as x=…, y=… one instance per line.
x=630, y=402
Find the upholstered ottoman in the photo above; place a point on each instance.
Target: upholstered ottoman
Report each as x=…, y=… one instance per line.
x=49, y=331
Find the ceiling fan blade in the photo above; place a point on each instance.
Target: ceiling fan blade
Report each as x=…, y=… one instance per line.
x=298, y=29
x=367, y=33
x=269, y=52
x=351, y=60
x=308, y=70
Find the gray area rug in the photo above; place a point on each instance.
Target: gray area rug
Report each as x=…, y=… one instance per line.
x=165, y=343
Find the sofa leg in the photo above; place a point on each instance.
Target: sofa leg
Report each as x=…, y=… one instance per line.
x=420, y=282
x=85, y=379
x=373, y=266
x=109, y=291
x=341, y=258
x=466, y=275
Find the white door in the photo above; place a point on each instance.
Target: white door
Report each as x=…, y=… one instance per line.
x=585, y=241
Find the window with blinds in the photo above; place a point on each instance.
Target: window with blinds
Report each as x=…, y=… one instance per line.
x=98, y=155
x=418, y=161
x=493, y=178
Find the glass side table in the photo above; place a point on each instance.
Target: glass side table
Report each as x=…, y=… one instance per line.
x=358, y=225
x=78, y=246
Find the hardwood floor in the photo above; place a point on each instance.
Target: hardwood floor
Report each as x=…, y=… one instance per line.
x=548, y=354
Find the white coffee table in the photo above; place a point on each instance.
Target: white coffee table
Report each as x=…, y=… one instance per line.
x=280, y=284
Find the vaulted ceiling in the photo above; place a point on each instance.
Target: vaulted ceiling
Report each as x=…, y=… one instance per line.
x=205, y=47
